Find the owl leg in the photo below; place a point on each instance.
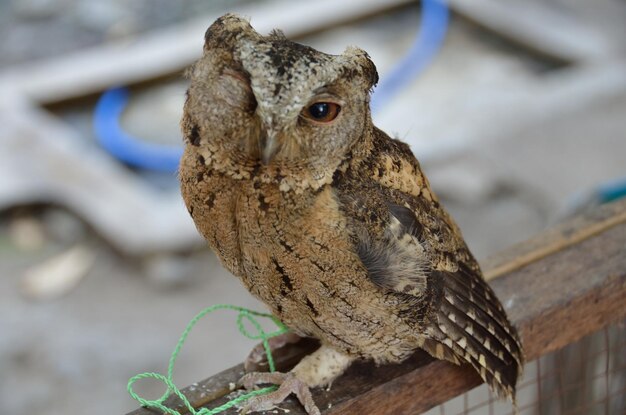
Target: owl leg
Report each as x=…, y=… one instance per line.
x=317, y=369
x=257, y=359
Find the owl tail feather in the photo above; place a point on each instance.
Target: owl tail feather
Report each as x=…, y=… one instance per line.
x=474, y=328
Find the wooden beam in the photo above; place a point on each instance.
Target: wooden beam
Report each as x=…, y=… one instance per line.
x=561, y=236
x=570, y=282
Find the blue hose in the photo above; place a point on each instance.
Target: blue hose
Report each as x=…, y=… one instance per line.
x=132, y=151
x=612, y=190
x=145, y=155
x=429, y=39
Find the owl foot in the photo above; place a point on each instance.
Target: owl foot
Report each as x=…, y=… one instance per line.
x=257, y=359
x=288, y=384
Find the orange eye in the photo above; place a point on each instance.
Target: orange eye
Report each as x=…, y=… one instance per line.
x=322, y=111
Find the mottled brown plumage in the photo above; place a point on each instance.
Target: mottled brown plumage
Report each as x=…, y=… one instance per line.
x=331, y=223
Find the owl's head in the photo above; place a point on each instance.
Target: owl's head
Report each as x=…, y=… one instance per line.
x=282, y=110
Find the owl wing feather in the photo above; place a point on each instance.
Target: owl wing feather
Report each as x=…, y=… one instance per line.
x=463, y=321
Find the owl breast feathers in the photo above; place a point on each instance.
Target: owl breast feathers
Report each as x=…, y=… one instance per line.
x=325, y=218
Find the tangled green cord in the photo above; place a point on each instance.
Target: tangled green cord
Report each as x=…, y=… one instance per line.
x=244, y=315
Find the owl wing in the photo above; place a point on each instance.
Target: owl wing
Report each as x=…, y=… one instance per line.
x=417, y=252
x=464, y=321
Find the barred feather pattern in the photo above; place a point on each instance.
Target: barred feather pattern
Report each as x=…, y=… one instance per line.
x=456, y=315
x=471, y=322
x=467, y=322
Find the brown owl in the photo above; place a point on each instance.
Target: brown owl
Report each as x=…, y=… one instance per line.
x=326, y=219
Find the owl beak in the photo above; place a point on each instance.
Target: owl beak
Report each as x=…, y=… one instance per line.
x=269, y=147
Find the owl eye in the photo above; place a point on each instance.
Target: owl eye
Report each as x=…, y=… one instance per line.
x=322, y=111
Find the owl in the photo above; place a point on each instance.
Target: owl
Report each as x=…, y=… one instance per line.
x=326, y=219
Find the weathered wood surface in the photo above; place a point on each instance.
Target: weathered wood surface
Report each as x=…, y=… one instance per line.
x=558, y=287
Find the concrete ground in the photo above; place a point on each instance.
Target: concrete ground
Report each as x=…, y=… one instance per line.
x=76, y=353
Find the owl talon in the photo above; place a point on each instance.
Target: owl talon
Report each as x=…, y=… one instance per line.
x=288, y=384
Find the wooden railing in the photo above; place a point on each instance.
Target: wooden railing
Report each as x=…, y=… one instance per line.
x=565, y=283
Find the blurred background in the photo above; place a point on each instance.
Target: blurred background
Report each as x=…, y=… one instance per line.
x=515, y=108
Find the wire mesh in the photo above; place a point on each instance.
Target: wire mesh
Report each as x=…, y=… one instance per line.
x=584, y=378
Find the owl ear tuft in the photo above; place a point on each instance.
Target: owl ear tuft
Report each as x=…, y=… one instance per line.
x=226, y=30
x=359, y=58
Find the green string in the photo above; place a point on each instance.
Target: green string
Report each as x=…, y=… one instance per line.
x=243, y=315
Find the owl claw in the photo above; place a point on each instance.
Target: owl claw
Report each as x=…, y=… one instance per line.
x=288, y=384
